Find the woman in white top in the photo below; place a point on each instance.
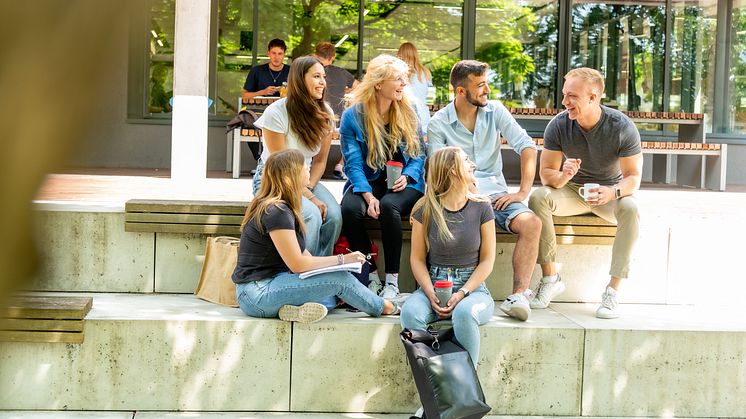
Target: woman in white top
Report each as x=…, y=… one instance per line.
x=420, y=80
x=304, y=122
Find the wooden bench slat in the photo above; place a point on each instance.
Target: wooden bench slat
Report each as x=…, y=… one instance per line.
x=38, y=307
x=210, y=219
x=42, y=325
x=182, y=228
x=585, y=231
x=585, y=220
x=41, y=337
x=189, y=207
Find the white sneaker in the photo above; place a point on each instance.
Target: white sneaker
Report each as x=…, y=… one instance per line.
x=375, y=285
x=517, y=306
x=608, y=308
x=546, y=291
x=307, y=313
x=390, y=291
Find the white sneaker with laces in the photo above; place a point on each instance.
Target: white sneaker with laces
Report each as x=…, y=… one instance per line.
x=517, y=305
x=608, y=308
x=390, y=291
x=375, y=285
x=549, y=287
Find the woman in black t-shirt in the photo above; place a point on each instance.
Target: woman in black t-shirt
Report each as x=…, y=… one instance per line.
x=272, y=253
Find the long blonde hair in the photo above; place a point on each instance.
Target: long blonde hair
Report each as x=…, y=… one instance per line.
x=281, y=183
x=403, y=122
x=408, y=53
x=445, y=174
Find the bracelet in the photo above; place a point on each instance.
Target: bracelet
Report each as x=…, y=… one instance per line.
x=340, y=259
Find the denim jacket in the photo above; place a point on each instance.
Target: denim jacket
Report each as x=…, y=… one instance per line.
x=355, y=150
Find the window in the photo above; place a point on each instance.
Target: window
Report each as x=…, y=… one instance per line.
x=160, y=57
x=434, y=28
x=235, y=46
x=693, y=57
x=519, y=41
x=625, y=41
x=736, y=122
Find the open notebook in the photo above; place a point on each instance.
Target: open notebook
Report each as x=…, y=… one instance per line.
x=354, y=267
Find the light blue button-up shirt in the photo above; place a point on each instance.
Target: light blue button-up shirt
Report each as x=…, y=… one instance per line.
x=483, y=145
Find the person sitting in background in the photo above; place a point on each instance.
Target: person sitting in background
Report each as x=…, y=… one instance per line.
x=303, y=121
x=453, y=232
x=420, y=80
x=266, y=80
x=381, y=126
x=272, y=253
x=338, y=82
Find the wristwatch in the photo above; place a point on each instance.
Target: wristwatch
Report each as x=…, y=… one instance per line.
x=465, y=291
x=617, y=192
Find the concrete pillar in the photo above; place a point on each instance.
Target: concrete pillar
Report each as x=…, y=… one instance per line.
x=191, y=68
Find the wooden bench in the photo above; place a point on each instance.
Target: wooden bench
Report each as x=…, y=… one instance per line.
x=31, y=318
x=224, y=218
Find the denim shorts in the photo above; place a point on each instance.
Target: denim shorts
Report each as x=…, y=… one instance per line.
x=504, y=217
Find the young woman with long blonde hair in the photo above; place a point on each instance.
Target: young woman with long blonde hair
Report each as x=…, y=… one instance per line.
x=453, y=230
x=303, y=121
x=420, y=80
x=380, y=126
x=272, y=253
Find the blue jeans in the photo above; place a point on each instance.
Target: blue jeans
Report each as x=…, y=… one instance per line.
x=265, y=297
x=321, y=235
x=469, y=314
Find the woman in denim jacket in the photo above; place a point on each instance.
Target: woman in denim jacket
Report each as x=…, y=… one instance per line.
x=381, y=126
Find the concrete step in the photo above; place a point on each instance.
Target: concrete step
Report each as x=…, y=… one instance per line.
x=151, y=352
x=233, y=415
x=89, y=251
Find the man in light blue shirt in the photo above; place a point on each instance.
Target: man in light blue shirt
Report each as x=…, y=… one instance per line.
x=475, y=124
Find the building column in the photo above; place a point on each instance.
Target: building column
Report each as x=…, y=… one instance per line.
x=191, y=87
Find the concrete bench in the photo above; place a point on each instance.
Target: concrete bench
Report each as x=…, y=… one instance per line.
x=224, y=218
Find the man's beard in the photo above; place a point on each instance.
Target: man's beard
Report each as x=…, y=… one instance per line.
x=473, y=101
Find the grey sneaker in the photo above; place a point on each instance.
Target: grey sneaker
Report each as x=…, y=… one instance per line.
x=608, y=308
x=307, y=313
x=517, y=305
x=390, y=291
x=375, y=285
x=546, y=291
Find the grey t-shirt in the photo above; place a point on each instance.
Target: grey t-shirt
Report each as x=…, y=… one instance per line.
x=614, y=136
x=464, y=224
x=337, y=79
x=257, y=255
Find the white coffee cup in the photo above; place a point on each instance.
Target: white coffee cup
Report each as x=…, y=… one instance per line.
x=589, y=191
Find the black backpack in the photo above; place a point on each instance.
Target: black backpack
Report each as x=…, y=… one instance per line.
x=445, y=377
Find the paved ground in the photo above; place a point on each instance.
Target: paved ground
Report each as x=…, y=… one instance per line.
x=233, y=415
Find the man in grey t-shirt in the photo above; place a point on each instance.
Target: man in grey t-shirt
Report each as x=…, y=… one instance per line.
x=599, y=145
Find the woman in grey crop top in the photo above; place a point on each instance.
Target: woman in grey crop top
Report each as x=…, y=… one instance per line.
x=454, y=230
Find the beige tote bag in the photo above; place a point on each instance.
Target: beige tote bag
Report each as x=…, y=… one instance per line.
x=215, y=284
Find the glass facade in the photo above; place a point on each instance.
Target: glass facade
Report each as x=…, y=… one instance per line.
x=434, y=28
x=656, y=55
x=160, y=57
x=519, y=42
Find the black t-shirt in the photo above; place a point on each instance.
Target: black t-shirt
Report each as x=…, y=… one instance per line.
x=261, y=76
x=258, y=257
x=337, y=79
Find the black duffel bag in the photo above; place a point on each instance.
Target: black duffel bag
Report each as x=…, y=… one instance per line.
x=444, y=375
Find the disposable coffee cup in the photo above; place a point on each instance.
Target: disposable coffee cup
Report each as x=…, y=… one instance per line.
x=443, y=290
x=589, y=191
x=393, y=172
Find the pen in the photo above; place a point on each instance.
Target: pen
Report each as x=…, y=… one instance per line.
x=368, y=256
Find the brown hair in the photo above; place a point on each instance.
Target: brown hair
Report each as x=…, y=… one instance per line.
x=326, y=50
x=408, y=53
x=308, y=118
x=463, y=69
